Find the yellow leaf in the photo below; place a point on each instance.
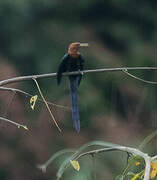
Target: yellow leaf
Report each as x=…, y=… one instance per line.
x=153, y=171
x=135, y=177
x=75, y=165
x=25, y=127
x=137, y=163
x=152, y=174
x=33, y=100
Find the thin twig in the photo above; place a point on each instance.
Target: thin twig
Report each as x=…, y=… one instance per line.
x=30, y=95
x=96, y=151
x=47, y=106
x=16, y=124
x=94, y=166
x=24, y=78
x=140, y=79
x=154, y=158
x=147, y=139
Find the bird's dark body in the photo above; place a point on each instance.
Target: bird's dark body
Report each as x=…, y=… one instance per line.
x=70, y=64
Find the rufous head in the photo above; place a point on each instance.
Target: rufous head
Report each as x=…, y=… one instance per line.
x=74, y=48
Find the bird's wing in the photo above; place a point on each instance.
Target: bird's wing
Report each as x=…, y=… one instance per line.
x=62, y=68
x=81, y=60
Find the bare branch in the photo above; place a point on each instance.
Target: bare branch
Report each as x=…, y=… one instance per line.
x=96, y=151
x=47, y=106
x=14, y=90
x=16, y=124
x=139, y=79
x=154, y=158
x=25, y=78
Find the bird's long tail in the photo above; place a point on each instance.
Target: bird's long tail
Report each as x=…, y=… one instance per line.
x=74, y=80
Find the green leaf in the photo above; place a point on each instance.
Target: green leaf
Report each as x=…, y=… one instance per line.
x=130, y=174
x=119, y=177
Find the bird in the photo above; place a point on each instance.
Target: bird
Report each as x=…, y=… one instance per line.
x=73, y=61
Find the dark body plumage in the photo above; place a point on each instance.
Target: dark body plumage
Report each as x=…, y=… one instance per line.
x=70, y=64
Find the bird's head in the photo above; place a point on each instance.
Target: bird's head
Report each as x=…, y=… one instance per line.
x=74, y=48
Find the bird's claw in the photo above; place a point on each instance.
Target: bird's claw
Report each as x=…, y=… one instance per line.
x=82, y=73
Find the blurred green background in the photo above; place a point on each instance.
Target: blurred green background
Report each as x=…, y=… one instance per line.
x=34, y=35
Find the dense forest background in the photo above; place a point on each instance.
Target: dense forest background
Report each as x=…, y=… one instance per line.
x=34, y=35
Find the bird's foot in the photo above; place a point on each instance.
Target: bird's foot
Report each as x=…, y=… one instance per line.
x=82, y=73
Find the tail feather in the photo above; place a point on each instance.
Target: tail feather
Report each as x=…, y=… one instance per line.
x=74, y=101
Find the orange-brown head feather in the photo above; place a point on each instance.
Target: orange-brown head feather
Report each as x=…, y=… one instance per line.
x=74, y=48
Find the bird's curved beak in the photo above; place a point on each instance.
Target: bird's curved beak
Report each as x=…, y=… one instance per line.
x=84, y=44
